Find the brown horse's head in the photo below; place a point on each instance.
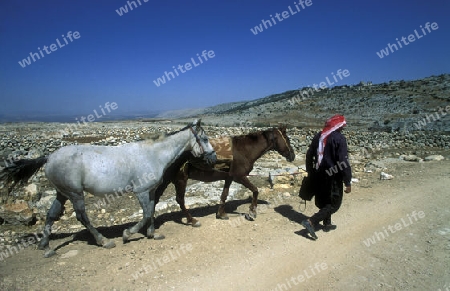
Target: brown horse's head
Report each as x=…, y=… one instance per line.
x=280, y=142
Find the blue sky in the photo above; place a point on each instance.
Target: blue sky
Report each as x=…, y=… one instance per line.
x=117, y=58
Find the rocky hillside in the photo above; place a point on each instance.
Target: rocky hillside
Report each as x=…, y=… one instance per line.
x=394, y=106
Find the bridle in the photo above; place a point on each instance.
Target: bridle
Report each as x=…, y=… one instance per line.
x=272, y=141
x=197, y=139
x=210, y=157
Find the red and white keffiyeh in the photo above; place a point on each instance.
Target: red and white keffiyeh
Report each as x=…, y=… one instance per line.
x=332, y=124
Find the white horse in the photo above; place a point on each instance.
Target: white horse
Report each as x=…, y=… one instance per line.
x=135, y=167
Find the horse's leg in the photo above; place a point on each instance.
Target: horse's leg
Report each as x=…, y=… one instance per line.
x=246, y=183
x=80, y=211
x=53, y=214
x=151, y=212
x=221, y=214
x=180, y=186
x=147, y=202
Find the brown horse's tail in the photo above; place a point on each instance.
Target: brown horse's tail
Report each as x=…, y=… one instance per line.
x=20, y=171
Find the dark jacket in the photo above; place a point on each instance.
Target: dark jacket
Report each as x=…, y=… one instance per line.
x=335, y=157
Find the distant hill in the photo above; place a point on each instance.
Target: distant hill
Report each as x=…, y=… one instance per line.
x=393, y=106
x=52, y=117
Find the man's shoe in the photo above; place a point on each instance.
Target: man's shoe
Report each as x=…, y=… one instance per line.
x=306, y=224
x=328, y=227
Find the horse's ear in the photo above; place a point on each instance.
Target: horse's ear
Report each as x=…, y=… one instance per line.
x=198, y=122
x=282, y=126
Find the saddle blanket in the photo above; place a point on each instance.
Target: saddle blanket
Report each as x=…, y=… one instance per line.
x=222, y=147
x=224, y=152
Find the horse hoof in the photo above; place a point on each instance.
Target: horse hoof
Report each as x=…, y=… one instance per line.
x=41, y=247
x=196, y=223
x=49, y=253
x=222, y=216
x=109, y=245
x=126, y=235
x=249, y=217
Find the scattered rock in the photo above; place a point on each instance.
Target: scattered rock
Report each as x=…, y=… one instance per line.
x=31, y=190
x=434, y=158
x=386, y=176
x=411, y=158
x=69, y=254
x=282, y=186
x=34, y=153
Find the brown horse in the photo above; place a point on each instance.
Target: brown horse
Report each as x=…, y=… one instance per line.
x=235, y=158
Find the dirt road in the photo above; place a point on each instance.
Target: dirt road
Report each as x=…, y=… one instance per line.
x=391, y=235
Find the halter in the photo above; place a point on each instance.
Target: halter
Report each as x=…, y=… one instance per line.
x=273, y=143
x=285, y=142
x=197, y=139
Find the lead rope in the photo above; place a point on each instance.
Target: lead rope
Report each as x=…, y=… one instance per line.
x=302, y=202
x=304, y=205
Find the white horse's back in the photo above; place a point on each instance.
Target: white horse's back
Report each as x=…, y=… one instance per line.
x=96, y=169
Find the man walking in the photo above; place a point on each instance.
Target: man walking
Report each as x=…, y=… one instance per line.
x=327, y=165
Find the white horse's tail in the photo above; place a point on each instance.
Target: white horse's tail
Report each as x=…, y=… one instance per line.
x=20, y=171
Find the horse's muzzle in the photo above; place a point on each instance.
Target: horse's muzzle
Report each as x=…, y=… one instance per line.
x=210, y=157
x=290, y=157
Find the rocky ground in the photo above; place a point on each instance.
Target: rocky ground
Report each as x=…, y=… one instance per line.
x=31, y=140
x=236, y=254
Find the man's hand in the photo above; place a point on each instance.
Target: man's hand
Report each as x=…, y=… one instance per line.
x=348, y=189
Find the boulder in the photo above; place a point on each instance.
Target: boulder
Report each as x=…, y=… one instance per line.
x=34, y=153
x=17, y=213
x=31, y=190
x=282, y=178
